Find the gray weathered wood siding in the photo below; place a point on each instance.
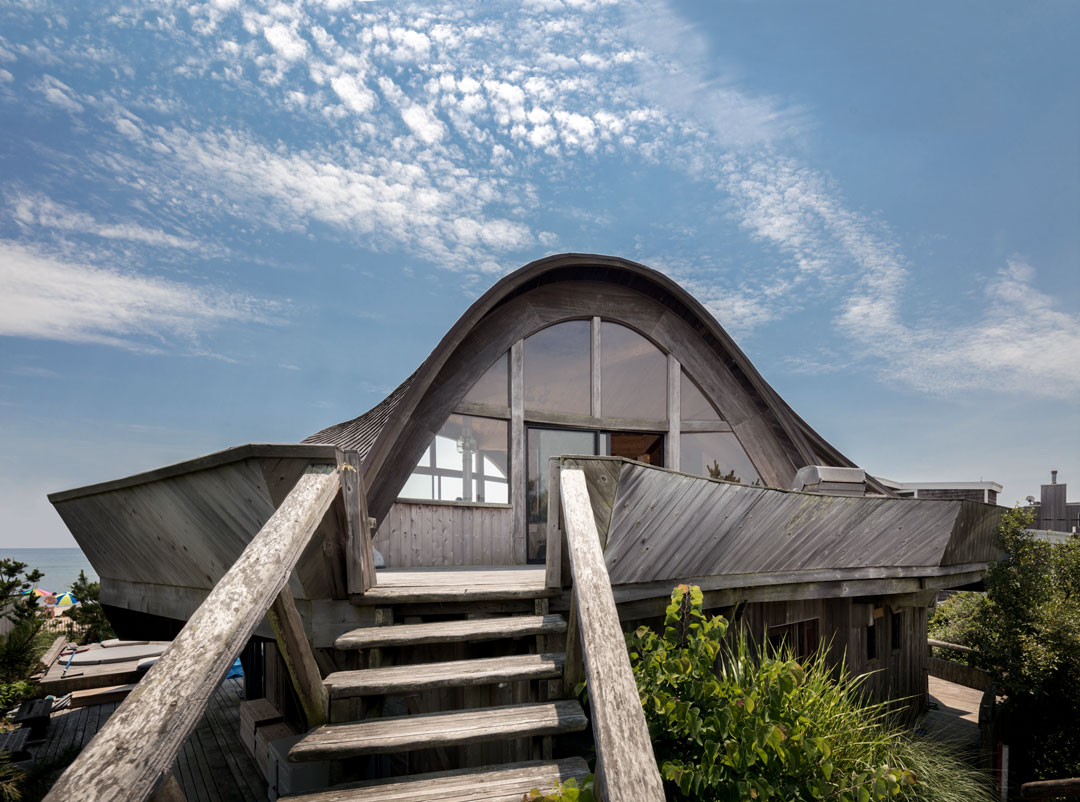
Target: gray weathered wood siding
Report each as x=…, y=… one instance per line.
x=671, y=526
x=161, y=541
x=894, y=674
x=431, y=535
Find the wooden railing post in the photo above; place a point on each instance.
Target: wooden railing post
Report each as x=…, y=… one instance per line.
x=296, y=651
x=359, y=556
x=139, y=742
x=628, y=771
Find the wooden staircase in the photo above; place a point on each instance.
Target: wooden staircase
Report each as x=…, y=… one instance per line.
x=346, y=741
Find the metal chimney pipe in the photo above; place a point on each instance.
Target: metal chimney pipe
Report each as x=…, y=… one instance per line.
x=1053, y=477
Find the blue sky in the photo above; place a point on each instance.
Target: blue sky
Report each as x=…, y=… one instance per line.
x=234, y=222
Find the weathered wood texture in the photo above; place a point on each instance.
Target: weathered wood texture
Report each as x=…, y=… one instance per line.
x=401, y=733
x=472, y=631
x=495, y=583
x=668, y=526
x=451, y=674
x=419, y=535
x=173, y=533
x=295, y=650
x=968, y=676
x=629, y=772
x=360, y=561
x=139, y=743
x=506, y=783
x=1051, y=789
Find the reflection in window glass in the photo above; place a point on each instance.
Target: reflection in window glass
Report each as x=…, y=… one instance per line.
x=633, y=375
x=494, y=386
x=717, y=455
x=695, y=406
x=558, y=368
x=466, y=461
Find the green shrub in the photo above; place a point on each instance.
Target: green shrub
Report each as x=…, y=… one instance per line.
x=1028, y=638
x=11, y=693
x=957, y=620
x=88, y=613
x=569, y=791
x=732, y=721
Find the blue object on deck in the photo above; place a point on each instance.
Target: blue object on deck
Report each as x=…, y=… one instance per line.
x=236, y=671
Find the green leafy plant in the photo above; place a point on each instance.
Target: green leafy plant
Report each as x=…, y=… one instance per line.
x=568, y=791
x=728, y=722
x=88, y=613
x=1026, y=634
x=11, y=693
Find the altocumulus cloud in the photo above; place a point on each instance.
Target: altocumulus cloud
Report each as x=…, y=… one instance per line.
x=45, y=297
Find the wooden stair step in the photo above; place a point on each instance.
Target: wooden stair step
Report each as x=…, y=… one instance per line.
x=452, y=674
x=472, y=630
x=402, y=733
x=506, y=783
x=459, y=594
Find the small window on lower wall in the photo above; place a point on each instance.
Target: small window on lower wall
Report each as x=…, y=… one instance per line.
x=718, y=455
x=801, y=637
x=871, y=641
x=465, y=461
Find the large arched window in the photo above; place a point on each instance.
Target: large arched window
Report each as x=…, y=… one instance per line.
x=591, y=386
x=558, y=368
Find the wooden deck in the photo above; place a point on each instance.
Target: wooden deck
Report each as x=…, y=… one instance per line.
x=212, y=765
x=956, y=718
x=456, y=584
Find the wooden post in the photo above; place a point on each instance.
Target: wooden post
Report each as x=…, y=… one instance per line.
x=629, y=772
x=296, y=651
x=139, y=742
x=169, y=791
x=359, y=557
x=553, y=571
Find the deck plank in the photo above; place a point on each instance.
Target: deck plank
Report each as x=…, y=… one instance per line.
x=414, y=678
x=402, y=733
x=472, y=631
x=507, y=783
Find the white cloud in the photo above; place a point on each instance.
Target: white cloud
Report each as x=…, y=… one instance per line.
x=357, y=97
x=286, y=42
x=44, y=297
x=36, y=210
x=424, y=123
x=58, y=93
x=6, y=77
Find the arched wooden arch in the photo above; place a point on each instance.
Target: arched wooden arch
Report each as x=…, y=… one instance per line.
x=394, y=435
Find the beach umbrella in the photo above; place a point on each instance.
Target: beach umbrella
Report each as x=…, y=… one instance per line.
x=41, y=592
x=66, y=600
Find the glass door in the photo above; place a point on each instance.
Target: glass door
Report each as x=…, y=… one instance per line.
x=542, y=444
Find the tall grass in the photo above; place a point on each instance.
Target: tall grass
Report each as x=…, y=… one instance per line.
x=864, y=734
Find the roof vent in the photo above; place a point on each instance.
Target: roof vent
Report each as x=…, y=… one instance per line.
x=1053, y=477
x=830, y=481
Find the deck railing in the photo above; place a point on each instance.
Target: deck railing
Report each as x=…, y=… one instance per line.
x=626, y=766
x=134, y=752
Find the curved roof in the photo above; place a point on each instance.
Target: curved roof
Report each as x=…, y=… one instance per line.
x=376, y=433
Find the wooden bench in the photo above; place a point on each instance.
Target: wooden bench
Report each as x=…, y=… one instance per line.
x=14, y=743
x=33, y=715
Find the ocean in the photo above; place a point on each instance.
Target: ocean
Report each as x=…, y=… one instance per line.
x=60, y=566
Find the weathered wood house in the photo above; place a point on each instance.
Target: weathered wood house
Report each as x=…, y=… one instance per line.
x=687, y=466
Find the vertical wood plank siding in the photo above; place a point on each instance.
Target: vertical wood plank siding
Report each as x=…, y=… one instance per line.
x=419, y=535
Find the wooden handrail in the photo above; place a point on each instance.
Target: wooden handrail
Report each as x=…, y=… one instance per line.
x=138, y=744
x=956, y=647
x=1051, y=789
x=626, y=764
